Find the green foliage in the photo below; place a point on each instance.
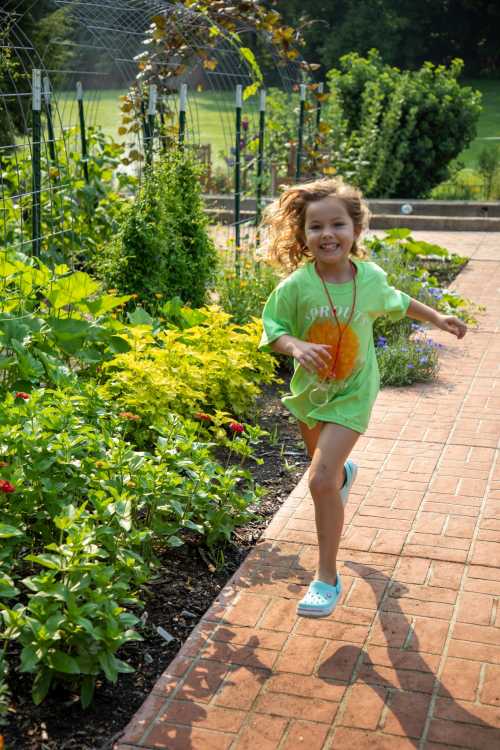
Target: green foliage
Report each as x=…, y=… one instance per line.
x=403, y=361
x=82, y=513
x=77, y=219
x=404, y=127
x=243, y=296
x=210, y=365
x=52, y=323
x=405, y=353
x=163, y=249
x=488, y=166
x=4, y=689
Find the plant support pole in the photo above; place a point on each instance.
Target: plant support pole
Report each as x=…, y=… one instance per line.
x=237, y=179
x=83, y=137
x=260, y=158
x=318, y=110
x=48, y=111
x=300, y=139
x=36, y=223
x=151, y=122
x=182, y=114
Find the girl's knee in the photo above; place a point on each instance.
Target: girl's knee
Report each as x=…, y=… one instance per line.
x=321, y=483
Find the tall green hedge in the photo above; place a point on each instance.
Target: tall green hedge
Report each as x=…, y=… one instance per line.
x=163, y=249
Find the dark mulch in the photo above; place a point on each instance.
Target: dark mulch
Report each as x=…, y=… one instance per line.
x=184, y=589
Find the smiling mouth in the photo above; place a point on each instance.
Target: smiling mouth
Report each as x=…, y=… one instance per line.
x=329, y=247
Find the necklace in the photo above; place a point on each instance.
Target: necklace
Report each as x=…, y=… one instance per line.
x=334, y=312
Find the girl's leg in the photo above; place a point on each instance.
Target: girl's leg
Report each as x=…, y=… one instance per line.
x=310, y=436
x=326, y=476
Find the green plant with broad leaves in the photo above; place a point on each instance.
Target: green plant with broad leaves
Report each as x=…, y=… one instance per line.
x=78, y=219
x=82, y=514
x=54, y=323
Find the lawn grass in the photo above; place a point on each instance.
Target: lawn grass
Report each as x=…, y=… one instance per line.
x=488, y=129
x=210, y=117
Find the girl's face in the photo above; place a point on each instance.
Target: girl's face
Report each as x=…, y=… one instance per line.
x=329, y=233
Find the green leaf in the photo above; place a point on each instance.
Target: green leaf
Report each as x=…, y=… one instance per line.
x=105, y=303
x=62, y=662
x=29, y=659
x=398, y=234
x=119, y=345
x=48, y=561
x=8, y=532
x=6, y=362
x=69, y=328
x=87, y=690
x=250, y=58
x=108, y=665
x=41, y=685
x=7, y=588
x=71, y=289
x=174, y=541
x=140, y=317
x=426, y=248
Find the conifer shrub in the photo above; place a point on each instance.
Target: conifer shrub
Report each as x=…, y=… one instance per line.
x=163, y=249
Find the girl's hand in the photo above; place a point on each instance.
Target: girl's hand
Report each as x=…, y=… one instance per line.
x=452, y=325
x=313, y=357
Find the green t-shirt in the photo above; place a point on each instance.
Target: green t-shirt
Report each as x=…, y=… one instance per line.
x=299, y=307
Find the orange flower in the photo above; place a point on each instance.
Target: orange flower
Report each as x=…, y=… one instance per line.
x=202, y=416
x=129, y=415
x=327, y=332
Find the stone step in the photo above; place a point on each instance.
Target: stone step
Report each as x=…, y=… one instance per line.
x=476, y=209
x=390, y=221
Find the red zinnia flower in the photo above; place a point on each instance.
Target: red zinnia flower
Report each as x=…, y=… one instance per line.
x=236, y=427
x=6, y=486
x=23, y=395
x=202, y=416
x=3, y=464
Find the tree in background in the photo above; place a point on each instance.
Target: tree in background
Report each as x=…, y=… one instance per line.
x=406, y=32
x=29, y=31
x=393, y=133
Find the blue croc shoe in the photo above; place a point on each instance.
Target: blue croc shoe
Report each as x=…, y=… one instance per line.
x=320, y=599
x=351, y=471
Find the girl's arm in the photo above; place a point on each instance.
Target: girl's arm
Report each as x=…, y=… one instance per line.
x=451, y=324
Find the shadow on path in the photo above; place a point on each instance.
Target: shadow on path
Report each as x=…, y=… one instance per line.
x=409, y=703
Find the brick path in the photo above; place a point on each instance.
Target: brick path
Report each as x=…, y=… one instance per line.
x=411, y=657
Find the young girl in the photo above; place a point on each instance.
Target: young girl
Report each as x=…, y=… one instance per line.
x=322, y=315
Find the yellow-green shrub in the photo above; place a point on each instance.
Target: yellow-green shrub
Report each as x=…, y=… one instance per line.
x=213, y=365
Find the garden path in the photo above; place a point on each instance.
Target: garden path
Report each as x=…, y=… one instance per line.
x=411, y=657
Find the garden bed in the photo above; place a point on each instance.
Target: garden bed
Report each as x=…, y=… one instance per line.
x=182, y=591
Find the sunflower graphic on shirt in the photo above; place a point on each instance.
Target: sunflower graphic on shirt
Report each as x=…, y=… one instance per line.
x=326, y=331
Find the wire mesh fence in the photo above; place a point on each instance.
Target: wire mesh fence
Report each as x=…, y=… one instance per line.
x=65, y=127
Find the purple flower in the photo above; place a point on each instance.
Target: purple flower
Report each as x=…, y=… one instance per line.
x=424, y=360
x=436, y=292
x=410, y=366
x=382, y=342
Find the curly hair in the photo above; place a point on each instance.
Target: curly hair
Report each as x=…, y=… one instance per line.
x=284, y=219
